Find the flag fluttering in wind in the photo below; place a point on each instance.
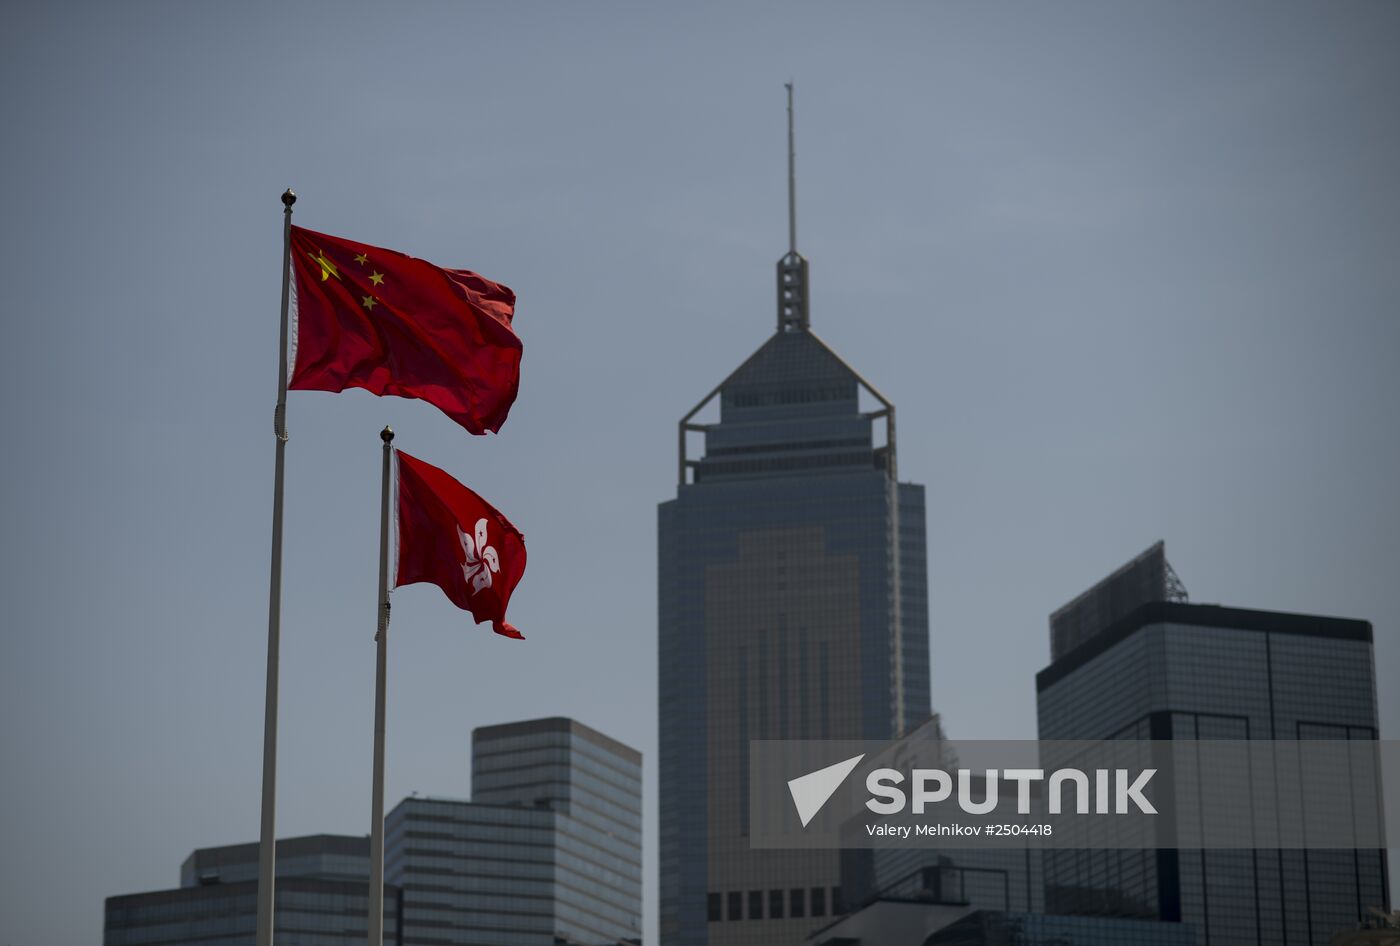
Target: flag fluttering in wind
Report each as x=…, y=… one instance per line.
x=367, y=317
x=360, y=316
x=451, y=537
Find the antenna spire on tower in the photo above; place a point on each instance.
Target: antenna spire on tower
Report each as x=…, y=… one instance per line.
x=792, y=268
x=792, y=177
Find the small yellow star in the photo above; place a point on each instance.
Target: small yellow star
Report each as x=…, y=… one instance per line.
x=369, y=302
x=377, y=278
x=327, y=267
x=361, y=258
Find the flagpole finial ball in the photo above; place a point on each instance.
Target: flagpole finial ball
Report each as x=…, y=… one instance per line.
x=289, y=197
x=387, y=435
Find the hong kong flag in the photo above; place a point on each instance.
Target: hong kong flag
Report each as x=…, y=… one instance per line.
x=451, y=537
x=366, y=317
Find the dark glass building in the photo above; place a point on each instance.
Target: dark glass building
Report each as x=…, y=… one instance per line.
x=1167, y=669
x=322, y=899
x=793, y=604
x=995, y=928
x=547, y=851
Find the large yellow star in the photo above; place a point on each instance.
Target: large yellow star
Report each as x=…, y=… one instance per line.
x=369, y=302
x=377, y=278
x=327, y=267
x=361, y=258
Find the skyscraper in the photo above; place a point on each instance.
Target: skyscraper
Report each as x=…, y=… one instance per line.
x=1134, y=660
x=547, y=851
x=792, y=605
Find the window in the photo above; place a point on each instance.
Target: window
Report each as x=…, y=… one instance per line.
x=736, y=905
x=818, y=901
x=755, y=904
x=838, y=906
x=775, y=904
x=798, y=906
x=714, y=908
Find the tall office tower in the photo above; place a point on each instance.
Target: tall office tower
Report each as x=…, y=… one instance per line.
x=549, y=849
x=322, y=897
x=793, y=604
x=1138, y=668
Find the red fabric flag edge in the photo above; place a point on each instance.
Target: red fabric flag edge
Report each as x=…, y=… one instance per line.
x=498, y=625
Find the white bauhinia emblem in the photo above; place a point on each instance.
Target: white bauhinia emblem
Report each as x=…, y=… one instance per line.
x=482, y=559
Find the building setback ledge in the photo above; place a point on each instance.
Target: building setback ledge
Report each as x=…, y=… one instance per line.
x=1203, y=615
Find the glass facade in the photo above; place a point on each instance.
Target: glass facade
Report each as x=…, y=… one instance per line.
x=322, y=899
x=991, y=928
x=792, y=605
x=1181, y=671
x=548, y=850
x=327, y=856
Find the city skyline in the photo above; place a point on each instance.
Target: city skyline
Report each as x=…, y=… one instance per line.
x=322, y=893
x=1128, y=275
x=548, y=848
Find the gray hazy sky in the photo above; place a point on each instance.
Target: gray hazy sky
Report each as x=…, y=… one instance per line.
x=1128, y=270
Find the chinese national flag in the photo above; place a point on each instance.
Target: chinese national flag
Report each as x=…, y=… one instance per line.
x=376, y=319
x=451, y=537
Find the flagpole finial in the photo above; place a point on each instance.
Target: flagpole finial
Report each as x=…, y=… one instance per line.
x=387, y=435
x=289, y=197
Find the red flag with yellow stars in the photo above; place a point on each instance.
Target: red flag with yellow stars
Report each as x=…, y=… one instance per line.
x=367, y=317
x=451, y=537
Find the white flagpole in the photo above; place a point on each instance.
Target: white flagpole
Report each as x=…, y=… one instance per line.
x=267, y=845
x=376, y=834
